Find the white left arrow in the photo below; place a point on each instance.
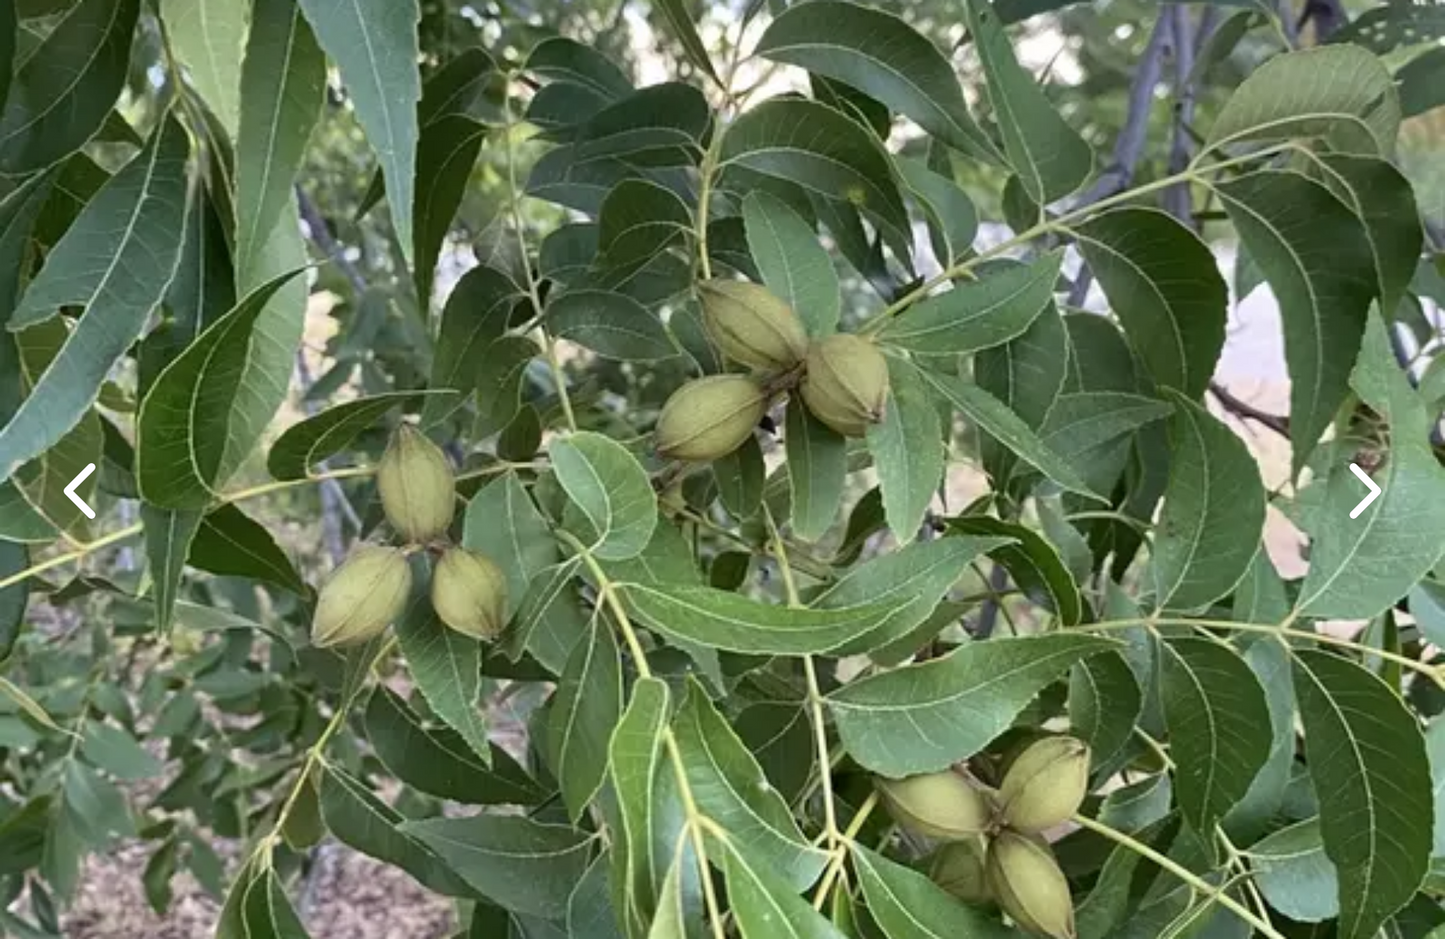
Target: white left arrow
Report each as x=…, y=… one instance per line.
x=1374, y=491
x=70, y=490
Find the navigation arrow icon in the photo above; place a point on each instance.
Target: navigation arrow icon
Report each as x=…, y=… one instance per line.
x=1370, y=484
x=80, y=478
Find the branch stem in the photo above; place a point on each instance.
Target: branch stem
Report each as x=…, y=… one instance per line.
x=1201, y=885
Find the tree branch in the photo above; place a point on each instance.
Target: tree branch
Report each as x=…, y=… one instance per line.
x=1129, y=146
x=1246, y=411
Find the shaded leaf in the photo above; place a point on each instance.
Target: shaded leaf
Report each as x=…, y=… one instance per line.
x=1219, y=735
x=1050, y=157
x=525, y=866
x=1213, y=518
x=907, y=905
x=817, y=470
x=635, y=757
x=611, y=324
x=1368, y=763
x=447, y=669
x=168, y=536
x=230, y=542
x=585, y=710
x=308, y=442
x=1164, y=285
x=136, y=221
x=907, y=449
x=1033, y=563
x=374, y=43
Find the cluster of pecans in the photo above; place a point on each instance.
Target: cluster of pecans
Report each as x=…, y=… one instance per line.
x=842, y=379
x=370, y=589
x=992, y=847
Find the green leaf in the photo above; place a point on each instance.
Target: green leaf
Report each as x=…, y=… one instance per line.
x=613, y=325
x=885, y=58
x=476, y=314
x=923, y=718
x=1338, y=91
x=635, y=757
x=19, y=211
x=525, y=866
x=1164, y=285
x=821, y=150
x=910, y=582
x=660, y=125
x=1368, y=763
x=611, y=488
x=437, y=761
x=230, y=542
x=208, y=39
x=730, y=788
x=550, y=619
x=168, y=536
x=1050, y=157
x=135, y=221
x=502, y=523
x=308, y=442
x=793, y=264
x=561, y=59
x=638, y=220
x=952, y=218
x=907, y=905
x=283, y=78
x=977, y=314
x=1032, y=562
x=585, y=710
x=907, y=448
x=1383, y=199
x=447, y=669
x=64, y=90
x=41, y=482
x=721, y=619
x=14, y=598
x=1360, y=566
x=186, y=418
x=1261, y=805
x=446, y=155
x=1219, y=736
x=1310, y=247
x=817, y=470
x=374, y=43
x=740, y=476
x=590, y=907
x=681, y=23
x=1213, y=518
x=1419, y=80
x=1104, y=704
x=1294, y=875
x=358, y=818
x=767, y=907
x=1026, y=374
x=257, y=908
x=117, y=752
x=500, y=370
x=993, y=417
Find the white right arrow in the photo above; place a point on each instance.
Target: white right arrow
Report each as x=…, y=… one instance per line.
x=1370, y=483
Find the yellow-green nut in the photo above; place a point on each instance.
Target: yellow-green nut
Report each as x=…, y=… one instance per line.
x=958, y=867
x=1027, y=883
x=710, y=417
x=469, y=593
x=368, y=591
x=752, y=326
x=938, y=805
x=846, y=383
x=417, y=486
x=1045, y=784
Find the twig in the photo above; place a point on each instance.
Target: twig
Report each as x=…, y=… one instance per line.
x=1327, y=15
x=1179, y=200
x=321, y=236
x=1243, y=409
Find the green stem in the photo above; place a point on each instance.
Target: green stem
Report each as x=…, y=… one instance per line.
x=1278, y=631
x=695, y=821
x=835, y=866
x=1183, y=873
x=1049, y=226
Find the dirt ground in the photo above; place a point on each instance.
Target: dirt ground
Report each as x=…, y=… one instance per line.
x=351, y=897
